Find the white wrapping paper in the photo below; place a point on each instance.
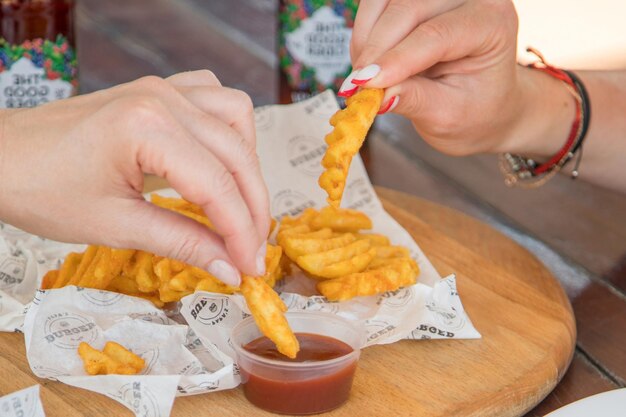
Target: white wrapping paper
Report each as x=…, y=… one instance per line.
x=194, y=359
x=22, y=403
x=177, y=362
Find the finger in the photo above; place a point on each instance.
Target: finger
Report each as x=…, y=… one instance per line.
x=163, y=232
x=229, y=145
x=442, y=39
x=236, y=153
x=216, y=191
x=231, y=106
x=194, y=78
x=421, y=99
x=165, y=148
x=234, y=107
x=414, y=98
x=368, y=13
x=396, y=22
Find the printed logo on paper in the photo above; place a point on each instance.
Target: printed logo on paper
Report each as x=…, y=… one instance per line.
x=451, y=283
x=68, y=330
x=323, y=106
x=360, y=196
x=318, y=303
x=377, y=329
x=151, y=357
x=50, y=373
x=305, y=154
x=418, y=335
x=290, y=203
x=427, y=331
x=102, y=298
x=139, y=399
x=39, y=295
x=193, y=342
x=152, y=317
x=194, y=367
x=12, y=231
x=292, y=301
x=210, y=311
x=263, y=118
x=204, y=386
x=446, y=317
x=398, y=298
x=12, y=270
x=21, y=404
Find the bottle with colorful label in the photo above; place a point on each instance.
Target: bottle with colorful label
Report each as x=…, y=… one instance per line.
x=313, y=46
x=37, y=52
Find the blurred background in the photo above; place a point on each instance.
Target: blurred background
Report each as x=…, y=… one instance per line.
x=574, y=34
x=154, y=36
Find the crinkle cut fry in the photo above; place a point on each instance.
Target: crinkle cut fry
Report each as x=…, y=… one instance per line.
x=351, y=126
x=268, y=311
x=389, y=278
x=114, y=359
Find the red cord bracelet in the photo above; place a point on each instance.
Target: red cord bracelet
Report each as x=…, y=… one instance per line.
x=565, y=77
x=525, y=172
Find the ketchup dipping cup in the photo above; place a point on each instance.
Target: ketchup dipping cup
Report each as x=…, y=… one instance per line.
x=300, y=388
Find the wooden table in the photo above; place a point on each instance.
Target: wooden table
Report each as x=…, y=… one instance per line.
x=577, y=230
x=513, y=300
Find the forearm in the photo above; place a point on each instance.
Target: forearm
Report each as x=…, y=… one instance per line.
x=546, y=113
x=3, y=156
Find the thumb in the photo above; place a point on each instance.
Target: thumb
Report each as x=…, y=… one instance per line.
x=166, y=233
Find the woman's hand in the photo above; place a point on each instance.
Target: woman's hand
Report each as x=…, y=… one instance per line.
x=73, y=170
x=448, y=65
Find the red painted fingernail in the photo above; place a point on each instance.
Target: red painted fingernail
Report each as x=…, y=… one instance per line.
x=391, y=104
x=347, y=88
x=360, y=82
x=347, y=93
x=366, y=74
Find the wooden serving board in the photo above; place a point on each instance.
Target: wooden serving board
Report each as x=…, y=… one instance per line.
x=523, y=314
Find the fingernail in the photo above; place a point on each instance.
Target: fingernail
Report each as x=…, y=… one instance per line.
x=225, y=272
x=366, y=74
x=260, y=260
x=390, y=105
x=347, y=88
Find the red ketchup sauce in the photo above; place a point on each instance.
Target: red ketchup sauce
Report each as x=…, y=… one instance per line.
x=282, y=392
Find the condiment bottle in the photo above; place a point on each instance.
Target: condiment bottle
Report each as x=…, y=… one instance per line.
x=313, y=46
x=37, y=52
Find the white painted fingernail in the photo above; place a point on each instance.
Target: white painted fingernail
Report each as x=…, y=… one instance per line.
x=366, y=74
x=260, y=260
x=390, y=105
x=225, y=272
x=347, y=88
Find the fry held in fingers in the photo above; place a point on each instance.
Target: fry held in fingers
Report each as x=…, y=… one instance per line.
x=350, y=128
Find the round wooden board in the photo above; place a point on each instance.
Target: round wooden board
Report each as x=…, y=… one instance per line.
x=523, y=314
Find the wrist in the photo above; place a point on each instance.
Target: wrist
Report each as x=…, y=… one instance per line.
x=545, y=110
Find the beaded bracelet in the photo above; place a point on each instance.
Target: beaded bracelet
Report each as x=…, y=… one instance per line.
x=527, y=173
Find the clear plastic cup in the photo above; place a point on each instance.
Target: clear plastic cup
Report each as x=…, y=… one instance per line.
x=299, y=388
